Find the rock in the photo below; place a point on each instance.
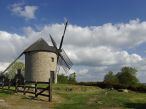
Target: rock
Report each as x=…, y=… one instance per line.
x=99, y=102
x=123, y=90
x=2, y=100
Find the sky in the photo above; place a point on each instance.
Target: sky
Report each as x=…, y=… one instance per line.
x=102, y=35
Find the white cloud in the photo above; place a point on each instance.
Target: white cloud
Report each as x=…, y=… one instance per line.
x=10, y=46
x=26, y=11
x=119, y=35
x=102, y=56
x=94, y=50
x=83, y=72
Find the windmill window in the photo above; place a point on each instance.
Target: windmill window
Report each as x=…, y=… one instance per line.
x=52, y=59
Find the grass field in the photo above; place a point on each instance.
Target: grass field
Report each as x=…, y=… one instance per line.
x=75, y=97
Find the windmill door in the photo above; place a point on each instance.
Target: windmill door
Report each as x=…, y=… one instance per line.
x=52, y=76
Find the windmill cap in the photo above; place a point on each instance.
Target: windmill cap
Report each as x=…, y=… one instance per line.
x=40, y=45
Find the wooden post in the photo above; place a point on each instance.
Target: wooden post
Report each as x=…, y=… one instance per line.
x=24, y=88
x=36, y=88
x=50, y=90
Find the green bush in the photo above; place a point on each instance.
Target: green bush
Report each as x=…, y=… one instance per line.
x=71, y=79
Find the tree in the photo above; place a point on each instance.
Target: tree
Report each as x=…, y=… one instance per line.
x=127, y=76
x=62, y=78
x=13, y=69
x=72, y=78
x=2, y=76
x=110, y=78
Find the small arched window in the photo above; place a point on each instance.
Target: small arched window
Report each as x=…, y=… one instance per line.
x=52, y=59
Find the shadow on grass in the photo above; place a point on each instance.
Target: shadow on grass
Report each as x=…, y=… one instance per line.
x=136, y=105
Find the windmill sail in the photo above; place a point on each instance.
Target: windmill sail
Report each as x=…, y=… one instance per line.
x=12, y=63
x=62, y=58
x=65, y=62
x=53, y=42
x=63, y=35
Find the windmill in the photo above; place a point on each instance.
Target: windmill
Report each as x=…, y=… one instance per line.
x=42, y=60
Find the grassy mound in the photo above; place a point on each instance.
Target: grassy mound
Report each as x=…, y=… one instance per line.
x=66, y=96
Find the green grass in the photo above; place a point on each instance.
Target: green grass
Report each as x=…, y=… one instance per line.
x=5, y=92
x=74, y=97
x=80, y=97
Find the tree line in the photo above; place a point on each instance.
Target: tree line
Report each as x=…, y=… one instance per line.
x=126, y=76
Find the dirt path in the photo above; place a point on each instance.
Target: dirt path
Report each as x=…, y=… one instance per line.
x=23, y=102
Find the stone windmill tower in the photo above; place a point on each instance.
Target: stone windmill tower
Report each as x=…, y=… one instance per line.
x=42, y=60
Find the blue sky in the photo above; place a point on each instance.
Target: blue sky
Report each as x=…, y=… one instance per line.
x=113, y=31
x=80, y=12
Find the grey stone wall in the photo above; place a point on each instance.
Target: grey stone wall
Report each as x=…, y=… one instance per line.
x=38, y=65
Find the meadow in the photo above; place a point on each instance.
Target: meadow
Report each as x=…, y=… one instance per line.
x=66, y=96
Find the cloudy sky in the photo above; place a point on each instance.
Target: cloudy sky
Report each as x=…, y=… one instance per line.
x=102, y=35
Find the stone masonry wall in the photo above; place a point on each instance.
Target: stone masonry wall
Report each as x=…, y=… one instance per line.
x=38, y=65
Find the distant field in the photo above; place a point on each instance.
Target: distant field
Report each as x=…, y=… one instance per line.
x=75, y=97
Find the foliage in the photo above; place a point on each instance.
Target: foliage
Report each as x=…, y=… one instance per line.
x=110, y=78
x=127, y=76
x=13, y=69
x=62, y=78
x=1, y=76
x=71, y=79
